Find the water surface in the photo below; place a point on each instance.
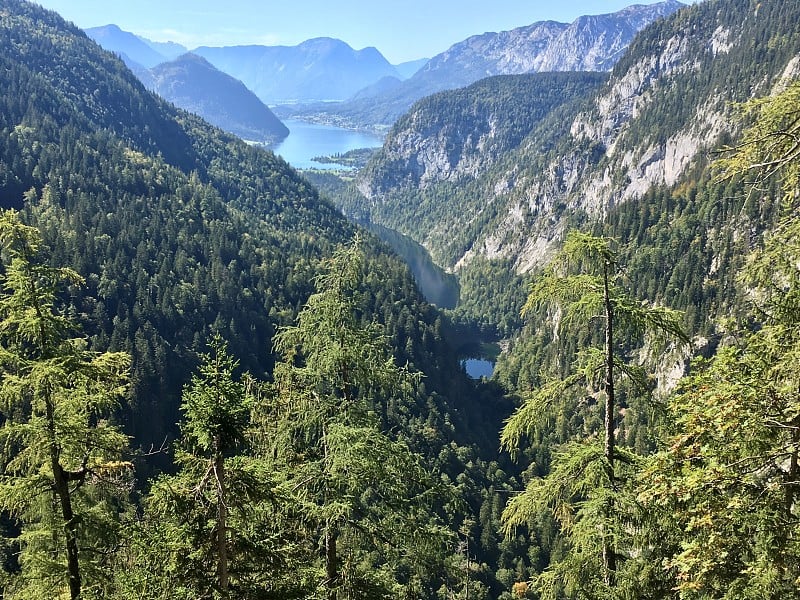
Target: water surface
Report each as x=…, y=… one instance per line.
x=477, y=368
x=307, y=140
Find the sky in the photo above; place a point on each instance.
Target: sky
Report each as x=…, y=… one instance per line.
x=402, y=30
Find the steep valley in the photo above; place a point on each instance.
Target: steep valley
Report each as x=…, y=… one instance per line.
x=223, y=377
x=501, y=182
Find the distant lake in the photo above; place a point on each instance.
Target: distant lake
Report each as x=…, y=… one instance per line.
x=477, y=367
x=307, y=140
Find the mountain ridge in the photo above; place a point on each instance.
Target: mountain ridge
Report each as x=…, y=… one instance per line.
x=669, y=99
x=544, y=45
x=320, y=69
x=194, y=84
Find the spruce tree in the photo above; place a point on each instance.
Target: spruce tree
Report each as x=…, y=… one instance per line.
x=205, y=532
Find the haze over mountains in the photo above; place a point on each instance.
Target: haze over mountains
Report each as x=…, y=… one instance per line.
x=324, y=79
x=192, y=83
x=317, y=69
x=590, y=43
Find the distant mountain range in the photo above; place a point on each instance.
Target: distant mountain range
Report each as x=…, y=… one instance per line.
x=325, y=80
x=320, y=69
x=192, y=83
x=590, y=43
x=133, y=49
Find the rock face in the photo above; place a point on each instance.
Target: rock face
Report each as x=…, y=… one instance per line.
x=320, y=69
x=508, y=52
x=595, y=43
x=589, y=44
x=193, y=84
x=667, y=103
x=461, y=133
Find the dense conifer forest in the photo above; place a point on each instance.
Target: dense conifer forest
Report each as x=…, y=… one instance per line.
x=214, y=385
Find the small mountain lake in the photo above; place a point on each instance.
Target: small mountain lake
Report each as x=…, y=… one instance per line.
x=307, y=140
x=478, y=367
x=479, y=356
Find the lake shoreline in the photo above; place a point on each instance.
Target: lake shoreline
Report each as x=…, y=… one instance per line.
x=307, y=141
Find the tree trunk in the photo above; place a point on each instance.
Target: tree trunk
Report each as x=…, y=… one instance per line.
x=61, y=486
x=331, y=560
x=222, y=519
x=609, y=557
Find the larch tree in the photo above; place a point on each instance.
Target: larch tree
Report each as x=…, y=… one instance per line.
x=588, y=487
x=63, y=476
x=363, y=497
x=728, y=478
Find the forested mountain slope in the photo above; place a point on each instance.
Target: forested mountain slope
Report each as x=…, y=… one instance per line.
x=178, y=228
x=150, y=205
x=670, y=99
x=193, y=84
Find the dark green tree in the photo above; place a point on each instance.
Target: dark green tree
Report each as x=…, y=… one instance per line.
x=204, y=528
x=62, y=467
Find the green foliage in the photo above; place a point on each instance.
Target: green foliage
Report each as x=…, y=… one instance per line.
x=726, y=483
x=770, y=146
x=215, y=406
x=367, y=497
x=588, y=487
x=63, y=478
x=209, y=524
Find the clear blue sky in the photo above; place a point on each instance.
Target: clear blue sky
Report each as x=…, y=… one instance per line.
x=401, y=29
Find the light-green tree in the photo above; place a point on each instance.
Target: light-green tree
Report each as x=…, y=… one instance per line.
x=363, y=498
x=728, y=478
x=63, y=478
x=588, y=489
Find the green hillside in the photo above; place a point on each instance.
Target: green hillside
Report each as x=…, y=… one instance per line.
x=213, y=385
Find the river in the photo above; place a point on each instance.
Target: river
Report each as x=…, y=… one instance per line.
x=307, y=140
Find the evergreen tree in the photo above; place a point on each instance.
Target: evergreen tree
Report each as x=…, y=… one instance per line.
x=204, y=533
x=727, y=483
x=63, y=477
x=364, y=498
x=588, y=488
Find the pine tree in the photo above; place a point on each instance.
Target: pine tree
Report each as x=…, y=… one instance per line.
x=62, y=472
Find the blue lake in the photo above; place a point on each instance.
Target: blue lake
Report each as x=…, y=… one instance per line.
x=477, y=368
x=307, y=140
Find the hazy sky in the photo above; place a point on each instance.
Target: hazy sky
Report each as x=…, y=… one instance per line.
x=401, y=29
